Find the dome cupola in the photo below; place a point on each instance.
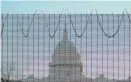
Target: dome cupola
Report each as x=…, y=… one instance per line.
x=65, y=44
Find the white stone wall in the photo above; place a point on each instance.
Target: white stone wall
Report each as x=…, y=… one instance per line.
x=66, y=58
x=58, y=72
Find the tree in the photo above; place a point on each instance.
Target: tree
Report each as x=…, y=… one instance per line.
x=6, y=73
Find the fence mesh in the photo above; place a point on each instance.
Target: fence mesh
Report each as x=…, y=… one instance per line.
x=66, y=47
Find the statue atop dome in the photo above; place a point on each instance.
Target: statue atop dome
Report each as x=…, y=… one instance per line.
x=65, y=34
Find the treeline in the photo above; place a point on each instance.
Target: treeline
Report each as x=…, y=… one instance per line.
x=5, y=80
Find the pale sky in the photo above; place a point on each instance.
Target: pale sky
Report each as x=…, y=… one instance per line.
x=72, y=6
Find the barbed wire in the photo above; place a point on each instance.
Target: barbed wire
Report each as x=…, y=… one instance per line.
x=69, y=15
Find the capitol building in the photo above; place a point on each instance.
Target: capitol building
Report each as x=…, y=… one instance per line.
x=66, y=63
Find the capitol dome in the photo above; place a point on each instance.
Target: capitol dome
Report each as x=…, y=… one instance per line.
x=65, y=52
x=65, y=44
x=65, y=62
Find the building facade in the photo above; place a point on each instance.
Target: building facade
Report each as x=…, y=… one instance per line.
x=66, y=63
